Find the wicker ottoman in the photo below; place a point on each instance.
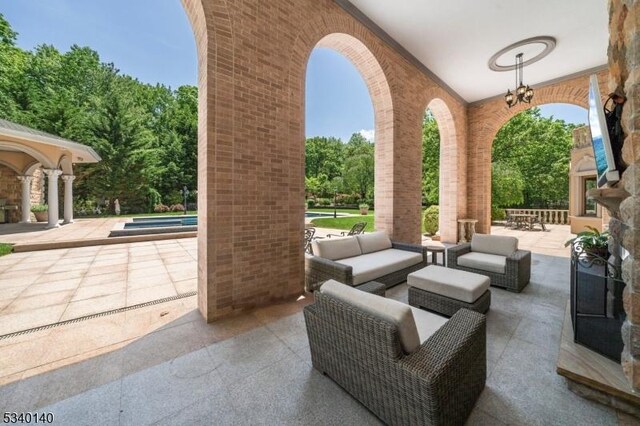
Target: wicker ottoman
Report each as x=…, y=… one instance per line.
x=446, y=290
x=373, y=287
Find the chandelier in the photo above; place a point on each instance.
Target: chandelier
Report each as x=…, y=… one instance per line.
x=522, y=93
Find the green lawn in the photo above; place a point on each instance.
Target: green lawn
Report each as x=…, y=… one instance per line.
x=330, y=210
x=5, y=249
x=344, y=223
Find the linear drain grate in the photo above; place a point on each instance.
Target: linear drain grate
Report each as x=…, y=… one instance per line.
x=100, y=314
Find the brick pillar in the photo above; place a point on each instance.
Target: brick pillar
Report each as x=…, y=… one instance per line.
x=624, y=51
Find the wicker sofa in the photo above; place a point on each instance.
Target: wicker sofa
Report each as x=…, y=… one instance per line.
x=496, y=257
x=369, y=346
x=362, y=258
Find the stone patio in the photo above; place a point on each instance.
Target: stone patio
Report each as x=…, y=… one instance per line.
x=162, y=364
x=40, y=288
x=80, y=229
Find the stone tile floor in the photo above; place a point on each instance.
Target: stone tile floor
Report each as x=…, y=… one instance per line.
x=164, y=365
x=80, y=229
x=44, y=287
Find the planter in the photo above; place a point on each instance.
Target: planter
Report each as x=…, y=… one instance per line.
x=364, y=212
x=41, y=216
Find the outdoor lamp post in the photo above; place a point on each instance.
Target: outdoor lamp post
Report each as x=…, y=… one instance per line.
x=335, y=207
x=185, y=193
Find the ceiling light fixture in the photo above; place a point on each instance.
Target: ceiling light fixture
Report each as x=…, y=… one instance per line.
x=522, y=93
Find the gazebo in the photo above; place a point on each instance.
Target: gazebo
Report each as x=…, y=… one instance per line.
x=26, y=156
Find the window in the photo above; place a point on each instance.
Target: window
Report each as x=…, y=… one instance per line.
x=589, y=203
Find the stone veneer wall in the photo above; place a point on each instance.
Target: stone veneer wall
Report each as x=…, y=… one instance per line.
x=10, y=188
x=252, y=59
x=624, y=67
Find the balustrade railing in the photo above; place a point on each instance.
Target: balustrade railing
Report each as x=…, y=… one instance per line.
x=552, y=216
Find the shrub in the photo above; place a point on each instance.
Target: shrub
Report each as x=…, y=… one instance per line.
x=160, y=208
x=177, y=208
x=430, y=219
x=363, y=206
x=498, y=214
x=311, y=203
x=324, y=202
x=38, y=208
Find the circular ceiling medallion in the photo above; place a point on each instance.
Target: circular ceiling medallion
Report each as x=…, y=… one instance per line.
x=534, y=49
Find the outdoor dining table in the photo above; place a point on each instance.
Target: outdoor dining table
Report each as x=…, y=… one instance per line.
x=523, y=220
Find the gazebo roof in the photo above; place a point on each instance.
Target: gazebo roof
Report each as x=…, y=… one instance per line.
x=80, y=153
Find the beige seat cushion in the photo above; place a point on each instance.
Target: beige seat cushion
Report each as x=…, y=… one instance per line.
x=373, y=242
x=494, y=244
x=453, y=283
x=336, y=248
x=389, y=310
x=368, y=267
x=427, y=323
x=484, y=262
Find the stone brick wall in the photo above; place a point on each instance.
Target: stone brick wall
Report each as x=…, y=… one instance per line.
x=486, y=118
x=252, y=59
x=624, y=66
x=11, y=189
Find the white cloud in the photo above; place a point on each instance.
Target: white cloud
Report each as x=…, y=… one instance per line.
x=368, y=134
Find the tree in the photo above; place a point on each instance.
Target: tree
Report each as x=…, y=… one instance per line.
x=358, y=172
x=507, y=185
x=430, y=159
x=540, y=149
x=324, y=156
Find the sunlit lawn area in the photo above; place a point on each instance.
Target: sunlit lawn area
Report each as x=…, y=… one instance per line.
x=5, y=249
x=345, y=223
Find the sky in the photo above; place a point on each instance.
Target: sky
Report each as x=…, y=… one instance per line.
x=152, y=41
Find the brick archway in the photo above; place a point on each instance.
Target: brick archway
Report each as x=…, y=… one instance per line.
x=372, y=73
x=448, y=185
x=487, y=118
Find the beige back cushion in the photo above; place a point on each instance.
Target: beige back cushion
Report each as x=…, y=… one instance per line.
x=336, y=248
x=375, y=241
x=389, y=310
x=494, y=244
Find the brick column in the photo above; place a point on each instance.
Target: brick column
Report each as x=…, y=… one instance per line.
x=624, y=68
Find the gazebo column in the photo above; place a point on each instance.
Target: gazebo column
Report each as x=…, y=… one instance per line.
x=68, y=198
x=26, y=198
x=52, y=196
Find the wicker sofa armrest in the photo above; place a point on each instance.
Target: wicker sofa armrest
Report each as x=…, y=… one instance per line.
x=452, y=363
x=317, y=270
x=456, y=251
x=519, y=264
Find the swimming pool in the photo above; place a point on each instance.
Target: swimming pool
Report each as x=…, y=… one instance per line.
x=164, y=221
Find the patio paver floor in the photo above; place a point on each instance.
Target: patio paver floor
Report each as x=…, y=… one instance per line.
x=41, y=288
x=164, y=364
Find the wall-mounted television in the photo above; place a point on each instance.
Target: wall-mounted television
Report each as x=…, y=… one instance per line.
x=604, y=151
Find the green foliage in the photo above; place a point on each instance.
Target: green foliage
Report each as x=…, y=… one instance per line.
x=145, y=134
x=311, y=204
x=39, y=208
x=498, y=214
x=591, y=240
x=430, y=220
x=430, y=159
x=358, y=170
x=324, y=156
x=363, y=206
x=507, y=185
x=539, y=148
x=5, y=249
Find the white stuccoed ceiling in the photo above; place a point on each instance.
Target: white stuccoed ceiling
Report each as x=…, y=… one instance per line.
x=456, y=38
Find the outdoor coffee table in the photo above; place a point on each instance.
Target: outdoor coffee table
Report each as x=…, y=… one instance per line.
x=445, y=291
x=434, y=254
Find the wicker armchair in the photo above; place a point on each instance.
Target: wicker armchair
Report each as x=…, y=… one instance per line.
x=318, y=270
x=437, y=384
x=517, y=271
